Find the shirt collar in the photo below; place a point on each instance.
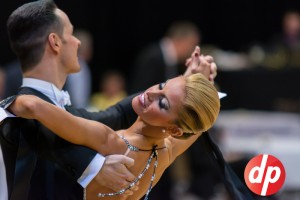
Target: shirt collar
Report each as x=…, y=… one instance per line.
x=48, y=89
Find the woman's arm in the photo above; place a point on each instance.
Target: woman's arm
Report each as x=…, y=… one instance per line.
x=71, y=128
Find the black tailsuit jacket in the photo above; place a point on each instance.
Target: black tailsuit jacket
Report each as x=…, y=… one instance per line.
x=39, y=164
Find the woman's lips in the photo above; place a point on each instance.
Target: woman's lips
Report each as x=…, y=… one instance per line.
x=142, y=99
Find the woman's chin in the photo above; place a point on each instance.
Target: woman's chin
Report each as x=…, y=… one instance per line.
x=135, y=105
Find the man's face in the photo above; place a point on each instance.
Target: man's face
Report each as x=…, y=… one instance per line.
x=70, y=45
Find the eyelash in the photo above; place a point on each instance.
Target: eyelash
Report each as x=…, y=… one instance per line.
x=160, y=86
x=160, y=103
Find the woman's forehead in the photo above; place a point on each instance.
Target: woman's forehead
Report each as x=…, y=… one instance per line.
x=175, y=91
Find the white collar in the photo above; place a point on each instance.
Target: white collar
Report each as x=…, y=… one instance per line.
x=59, y=97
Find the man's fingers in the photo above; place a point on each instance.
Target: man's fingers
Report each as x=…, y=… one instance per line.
x=204, y=67
x=209, y=58
x=128, y=162
x=136, y=186
x=213, y=71
x=128, y=192
x=204, y=62
x=123, y=196
x=114, y=174
x=188, y=61
x=213, y=68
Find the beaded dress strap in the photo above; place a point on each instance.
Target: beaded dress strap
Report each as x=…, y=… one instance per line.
x=134, y=148
x=154, y=154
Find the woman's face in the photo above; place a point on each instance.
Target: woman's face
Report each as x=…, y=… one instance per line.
x=160, y=104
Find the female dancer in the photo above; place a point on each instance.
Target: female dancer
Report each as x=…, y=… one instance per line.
x=171, y=116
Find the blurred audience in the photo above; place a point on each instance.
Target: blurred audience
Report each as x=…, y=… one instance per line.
x=283, y=50
x=111, y=90
x=229, y=60
x=79, y=85
x=165, y=58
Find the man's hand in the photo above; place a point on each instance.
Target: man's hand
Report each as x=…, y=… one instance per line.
x=198, y=63
x=115, y=175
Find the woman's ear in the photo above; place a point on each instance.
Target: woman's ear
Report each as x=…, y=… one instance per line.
x=175, y=131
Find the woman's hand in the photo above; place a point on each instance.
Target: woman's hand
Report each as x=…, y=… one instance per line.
x=198, y=63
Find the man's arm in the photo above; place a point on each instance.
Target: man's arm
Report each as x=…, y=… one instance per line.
x=119, y=116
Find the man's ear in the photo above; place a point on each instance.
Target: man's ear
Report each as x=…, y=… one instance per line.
x=54, y=41
x=175, y=131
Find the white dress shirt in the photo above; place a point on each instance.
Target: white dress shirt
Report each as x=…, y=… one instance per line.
x=60, y=98
x=3, y=184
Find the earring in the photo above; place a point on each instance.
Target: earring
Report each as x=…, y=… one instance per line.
x=163, y=130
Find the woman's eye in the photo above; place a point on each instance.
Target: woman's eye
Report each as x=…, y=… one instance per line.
x=161, y=86
x=163, y=104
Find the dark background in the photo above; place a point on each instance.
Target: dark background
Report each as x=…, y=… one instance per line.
x=122, y=28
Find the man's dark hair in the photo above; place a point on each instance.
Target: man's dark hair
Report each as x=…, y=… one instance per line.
x=28, y=29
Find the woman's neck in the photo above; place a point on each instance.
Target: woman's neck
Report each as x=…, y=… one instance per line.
x=145, y=136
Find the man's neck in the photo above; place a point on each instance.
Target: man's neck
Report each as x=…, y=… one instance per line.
x=58, y=81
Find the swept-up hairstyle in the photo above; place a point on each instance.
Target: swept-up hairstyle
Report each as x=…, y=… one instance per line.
x=200, y=107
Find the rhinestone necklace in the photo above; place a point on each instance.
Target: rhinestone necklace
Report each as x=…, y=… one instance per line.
x=154, y=154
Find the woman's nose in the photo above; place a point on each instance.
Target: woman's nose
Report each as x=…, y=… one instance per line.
x=152, y=95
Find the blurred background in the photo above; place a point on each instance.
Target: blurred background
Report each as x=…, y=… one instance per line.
x=129, y=45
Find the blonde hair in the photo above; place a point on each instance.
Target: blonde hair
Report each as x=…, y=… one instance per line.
x=200, y=107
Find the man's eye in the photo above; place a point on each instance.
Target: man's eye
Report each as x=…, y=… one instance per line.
x=163, y=104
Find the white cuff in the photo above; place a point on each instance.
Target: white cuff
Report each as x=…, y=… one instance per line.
x=91, y=171
x=5, y=114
